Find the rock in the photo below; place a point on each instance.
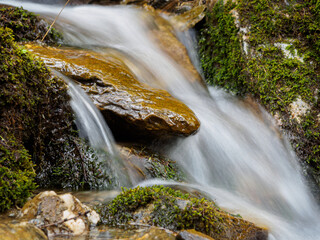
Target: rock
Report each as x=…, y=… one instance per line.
x=189, y=19
x=21, y=231
x=34, y=118
x=51, y=212
x=144, y=164
x=164, y=207
x=129, y=107
x=153, y=233
x=276, y=62
x=165, y=36
x=192, y=235
x=38, y=137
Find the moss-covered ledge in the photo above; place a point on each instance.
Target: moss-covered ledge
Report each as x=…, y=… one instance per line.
x=174, y=210
x=38, y=141
x=269, y=50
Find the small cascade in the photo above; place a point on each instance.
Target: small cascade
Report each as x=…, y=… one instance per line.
x=92, y=126
x=237, y=158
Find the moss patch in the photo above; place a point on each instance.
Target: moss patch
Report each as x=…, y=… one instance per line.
x=174, y=210
x=220, y=50
x=16, y=173
x=275, y=47
x=18, y=74
x=26, y=26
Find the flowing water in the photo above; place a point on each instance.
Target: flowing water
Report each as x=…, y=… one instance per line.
x=92, y=127
x=238, y=157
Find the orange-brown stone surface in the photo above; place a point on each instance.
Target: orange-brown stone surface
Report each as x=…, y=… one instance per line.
x=128, y=105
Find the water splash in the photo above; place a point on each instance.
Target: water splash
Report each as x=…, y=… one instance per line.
x=237, y=157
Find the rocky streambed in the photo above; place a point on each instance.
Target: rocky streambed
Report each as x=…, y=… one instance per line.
x=40, y=146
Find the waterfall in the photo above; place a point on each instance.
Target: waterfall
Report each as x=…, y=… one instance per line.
x=92, y=126
x=237, y=158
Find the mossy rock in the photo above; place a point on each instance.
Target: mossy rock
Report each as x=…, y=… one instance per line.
x=174, y=210
x=133, y=110
x=18, y=74
x=269, y=50
x=37, y=133
x=16, y=173
x=145, y=163
x=26, y=26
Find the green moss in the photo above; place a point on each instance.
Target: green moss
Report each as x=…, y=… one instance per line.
x=220, y=49
x=272, y=20
x=19, y=74
x=16, y=173
x=277, y=81
x=35, y=109
x=164, y=168
x=166, y=212
x=26, y=26
x=36, y=124
x=280, y=65
x=173, y=210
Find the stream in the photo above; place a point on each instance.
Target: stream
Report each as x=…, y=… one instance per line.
x=237, y=158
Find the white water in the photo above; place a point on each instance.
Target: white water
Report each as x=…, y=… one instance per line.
x=92, y=126
x=236, y=157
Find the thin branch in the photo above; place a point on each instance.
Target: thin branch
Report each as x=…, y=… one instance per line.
x=54, y=21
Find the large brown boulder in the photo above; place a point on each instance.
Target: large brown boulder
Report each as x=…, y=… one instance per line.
x=129, y=106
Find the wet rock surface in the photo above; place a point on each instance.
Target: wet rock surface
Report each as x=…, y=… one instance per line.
x=154, y=233
x=164, y=34
x=179, y=6
x=21, y=231
x=59, y=214
x=128, y=106
x=192, y=235
x=146, y=164
x=189, y=18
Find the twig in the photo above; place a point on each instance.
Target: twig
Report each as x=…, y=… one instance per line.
x=54, y=21
x=64, y=220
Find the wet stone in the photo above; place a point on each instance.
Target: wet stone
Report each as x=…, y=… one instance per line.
x=59, y=214
x=21, y=231
x=144, y=163
x=192, y=235
x=130, y=108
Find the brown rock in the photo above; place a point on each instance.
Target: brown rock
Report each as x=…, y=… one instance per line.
x=232, y=227
x=21, y=231
x=129, y=107
x=59, y=214
x=144, y=164
x=190, y=18
x=153, y=233
x=192, y=234
x=164, y=35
